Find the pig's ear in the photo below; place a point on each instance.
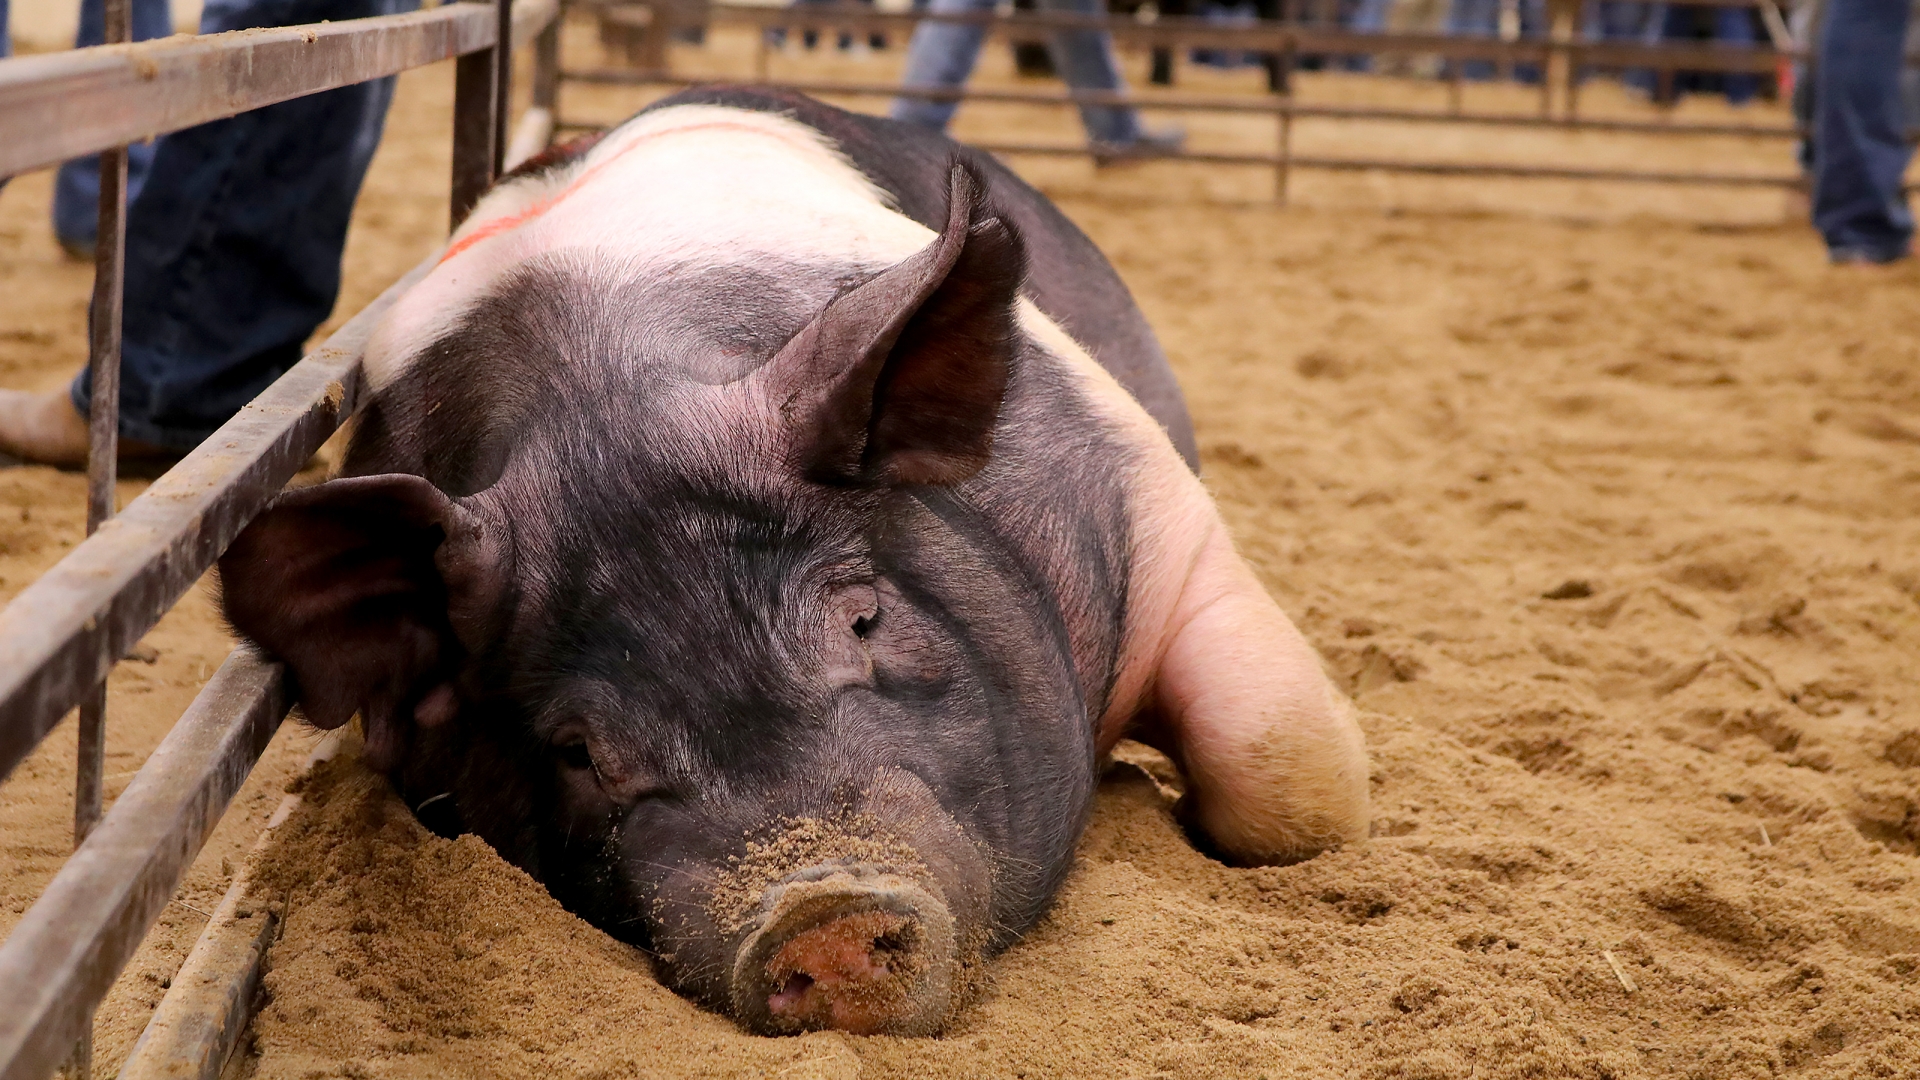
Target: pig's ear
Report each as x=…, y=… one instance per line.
x=372, y=589
x=899, y=381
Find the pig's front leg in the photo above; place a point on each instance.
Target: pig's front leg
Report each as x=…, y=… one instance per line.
x=1275, y=765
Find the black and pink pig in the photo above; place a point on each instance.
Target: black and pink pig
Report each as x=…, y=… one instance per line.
x=765, y=520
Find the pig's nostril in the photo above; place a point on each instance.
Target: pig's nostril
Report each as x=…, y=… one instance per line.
x=867, y=956
x=791, y=995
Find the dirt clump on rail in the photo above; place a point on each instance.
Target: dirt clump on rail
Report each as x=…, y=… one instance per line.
x=1606, y=522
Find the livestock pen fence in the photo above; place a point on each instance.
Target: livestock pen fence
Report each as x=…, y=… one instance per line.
x=61, y=636
x=639, y=32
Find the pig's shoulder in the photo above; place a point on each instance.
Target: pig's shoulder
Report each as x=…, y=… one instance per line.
x=1070, y=280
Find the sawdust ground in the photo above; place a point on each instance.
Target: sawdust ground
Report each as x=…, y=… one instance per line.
x=1604, y=516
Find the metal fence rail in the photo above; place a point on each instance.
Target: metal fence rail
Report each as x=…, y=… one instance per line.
x=1560, y=61
x=59, y=106
x=60, y=637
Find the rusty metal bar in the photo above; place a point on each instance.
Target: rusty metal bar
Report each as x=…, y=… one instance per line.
x=1283, y=167
x=103, y=422
x=475, y=159
x=65, y=953
x=210, y=1002
x=61, y=634
x=64, y=105
x=1541, y=172
x=502, y=80
x=546, y=68
x=200, y=1021
x=103, y=458
x=1196, y=103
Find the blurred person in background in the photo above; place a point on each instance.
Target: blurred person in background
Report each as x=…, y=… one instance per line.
x=1724, y=26
x=1858, y=152
x=1629, y=21
x=1508, y=20
x=232, y=256
x=1360, y=16
x=941, y=56
x=809, y=39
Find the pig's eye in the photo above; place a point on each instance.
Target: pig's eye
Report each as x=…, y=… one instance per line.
x=863, y=625
x=574, y=754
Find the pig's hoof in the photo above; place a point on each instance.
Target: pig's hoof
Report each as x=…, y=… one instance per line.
x=867, y=954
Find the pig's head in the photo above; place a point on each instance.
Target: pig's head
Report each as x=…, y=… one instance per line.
x=735, y=666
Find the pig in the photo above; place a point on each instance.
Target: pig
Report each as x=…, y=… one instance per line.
x=764, y=521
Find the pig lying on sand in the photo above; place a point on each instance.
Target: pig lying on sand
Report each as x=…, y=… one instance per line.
x=764, y=521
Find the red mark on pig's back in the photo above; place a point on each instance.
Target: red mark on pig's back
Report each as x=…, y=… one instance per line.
x=513, y=221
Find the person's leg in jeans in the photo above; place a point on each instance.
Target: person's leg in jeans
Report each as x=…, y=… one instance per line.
x=1629, y=20
x=1860, y=152
x=233, y=255
x=943, y=54
x=76, y=188
x=1533, y=24
x=1734, y=26
x=1474, y=18
x=1366, y=17
x=940, y=56
x=1084, y=58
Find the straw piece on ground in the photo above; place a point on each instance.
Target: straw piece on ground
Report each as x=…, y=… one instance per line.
x=1626, y=981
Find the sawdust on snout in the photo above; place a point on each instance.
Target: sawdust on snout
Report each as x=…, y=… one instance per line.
x=791, y=844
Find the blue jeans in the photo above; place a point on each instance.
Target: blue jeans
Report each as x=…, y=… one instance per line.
x=1367, y=17
x=1735, y=26
x=1481, y=18
x=1859, y=152
x=1629, y=20
x=233, y=246
x=76, y=188
x=942, y=55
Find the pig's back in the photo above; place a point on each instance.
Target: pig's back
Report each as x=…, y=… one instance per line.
x=1070, y=280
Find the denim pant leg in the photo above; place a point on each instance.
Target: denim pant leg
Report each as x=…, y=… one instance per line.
x=1367, y=17
x=1474, y=18
x=233, y=248
x=1086, y=61
x=76, y=188
x=1734, y=27
x=1860, y=154
x=1533, y=24
x=1631, y=20
x=940, y=55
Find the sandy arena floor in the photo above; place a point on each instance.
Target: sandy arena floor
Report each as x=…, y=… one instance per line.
x=1601, y=501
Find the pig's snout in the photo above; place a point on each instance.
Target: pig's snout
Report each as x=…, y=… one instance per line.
x=869, y=953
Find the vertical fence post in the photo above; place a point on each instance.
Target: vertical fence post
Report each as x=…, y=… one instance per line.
x=502, y=81
x=476, y=149
x=546, y=67
x=103, y=457
x=1573, y=81
x=1548, y=66
x=1282, y=172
